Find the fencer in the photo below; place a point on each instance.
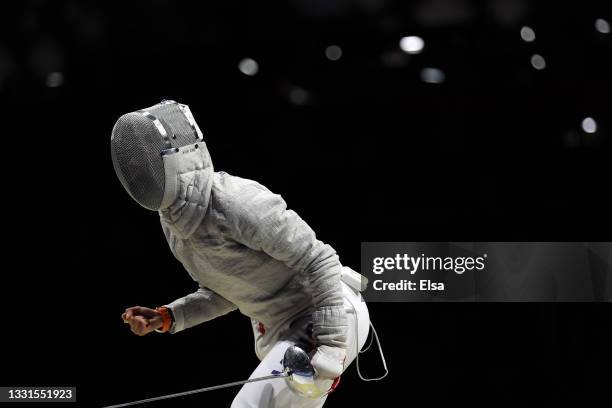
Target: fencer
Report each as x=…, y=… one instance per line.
x=244, y=249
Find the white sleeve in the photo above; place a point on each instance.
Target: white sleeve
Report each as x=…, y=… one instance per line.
x=198, y=307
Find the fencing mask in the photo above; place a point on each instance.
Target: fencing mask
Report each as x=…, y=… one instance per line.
x=144, y=144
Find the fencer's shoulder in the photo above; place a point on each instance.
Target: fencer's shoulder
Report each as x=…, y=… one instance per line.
x=237, y=197
x=229, y=189
x=237, y=193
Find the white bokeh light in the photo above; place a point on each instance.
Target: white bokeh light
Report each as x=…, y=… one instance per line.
x=602, y=26
x=299, y=96
x=432, y=75
x=412, y=44
x=55, y=79
x=248, y=66
x=589, y=125
x=527, y=34
x=333, y=52
x=538, y=62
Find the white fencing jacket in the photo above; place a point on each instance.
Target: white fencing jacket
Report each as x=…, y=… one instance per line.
x=247, y=251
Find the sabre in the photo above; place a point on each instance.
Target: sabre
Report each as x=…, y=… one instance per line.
x=296, y=368
x=214, y=387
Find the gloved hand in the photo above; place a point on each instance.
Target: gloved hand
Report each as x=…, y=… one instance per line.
x=328, y=362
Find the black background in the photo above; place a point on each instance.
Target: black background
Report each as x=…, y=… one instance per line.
x=495, y=152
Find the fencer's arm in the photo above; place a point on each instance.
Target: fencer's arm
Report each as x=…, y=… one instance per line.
x=261, y=221
x=198, y=307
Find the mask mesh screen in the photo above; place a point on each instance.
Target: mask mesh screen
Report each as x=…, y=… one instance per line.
x=136, y=146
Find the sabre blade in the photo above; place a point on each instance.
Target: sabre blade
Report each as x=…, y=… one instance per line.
x=214, y=387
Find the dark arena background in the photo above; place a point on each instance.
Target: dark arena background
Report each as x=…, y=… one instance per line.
x=377, y=120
